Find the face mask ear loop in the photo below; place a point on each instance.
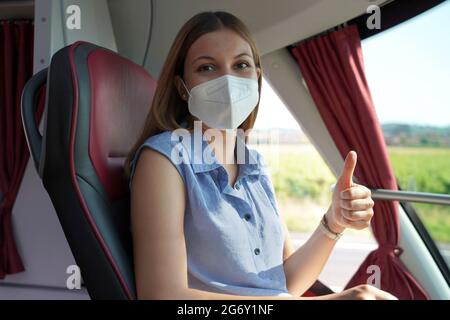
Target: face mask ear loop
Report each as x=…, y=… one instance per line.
x=182, y=81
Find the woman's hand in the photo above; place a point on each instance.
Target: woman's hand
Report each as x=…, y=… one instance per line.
x=352, y=204
x=365, y=292
x=361, y=292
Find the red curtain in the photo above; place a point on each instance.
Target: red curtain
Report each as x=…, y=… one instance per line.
x=16, y=68
x=333, y=69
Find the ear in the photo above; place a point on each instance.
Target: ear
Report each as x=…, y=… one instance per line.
x=258, y=72
x=180, y=88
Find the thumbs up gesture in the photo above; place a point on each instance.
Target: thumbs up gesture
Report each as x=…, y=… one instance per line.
x=352, y=204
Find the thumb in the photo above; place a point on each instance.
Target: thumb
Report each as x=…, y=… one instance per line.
x=345, y=180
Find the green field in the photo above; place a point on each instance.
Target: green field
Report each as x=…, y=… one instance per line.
x=302, y=179
x=425, y=170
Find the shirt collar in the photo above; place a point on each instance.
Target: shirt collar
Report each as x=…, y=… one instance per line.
x=204, y=160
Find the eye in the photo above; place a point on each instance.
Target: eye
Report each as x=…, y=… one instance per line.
x=244, y=64
x=204, y=67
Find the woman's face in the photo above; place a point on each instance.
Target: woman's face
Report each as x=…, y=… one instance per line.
x=215, y=54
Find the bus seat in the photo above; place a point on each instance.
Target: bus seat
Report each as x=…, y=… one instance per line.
x=96, y=105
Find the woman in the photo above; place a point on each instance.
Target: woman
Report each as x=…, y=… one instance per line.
x=204, y=219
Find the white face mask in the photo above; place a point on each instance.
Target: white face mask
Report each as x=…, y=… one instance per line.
x=224, y=102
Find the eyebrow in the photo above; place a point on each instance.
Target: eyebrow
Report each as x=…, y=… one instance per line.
x=211, y=58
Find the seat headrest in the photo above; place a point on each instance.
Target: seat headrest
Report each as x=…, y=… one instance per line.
x=118, y=93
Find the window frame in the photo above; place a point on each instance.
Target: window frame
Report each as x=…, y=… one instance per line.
x=394, y=13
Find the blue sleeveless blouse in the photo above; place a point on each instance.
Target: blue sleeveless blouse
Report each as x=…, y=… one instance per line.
x=234, y=234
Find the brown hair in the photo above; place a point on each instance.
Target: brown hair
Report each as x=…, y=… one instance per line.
x=168, y=110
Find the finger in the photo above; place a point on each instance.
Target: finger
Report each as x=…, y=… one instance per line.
x=345, y=180
x=344, y=222
x=351, y=216
x=358, y=225
x=383, y=295
x=356, y=192
x=358, y=204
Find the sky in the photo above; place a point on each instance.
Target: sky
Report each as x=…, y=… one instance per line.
x=267, y=118
x=408, y=71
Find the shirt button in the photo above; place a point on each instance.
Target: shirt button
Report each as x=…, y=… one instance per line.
x=238, y=186
x=257, y=251
x=247, y=216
